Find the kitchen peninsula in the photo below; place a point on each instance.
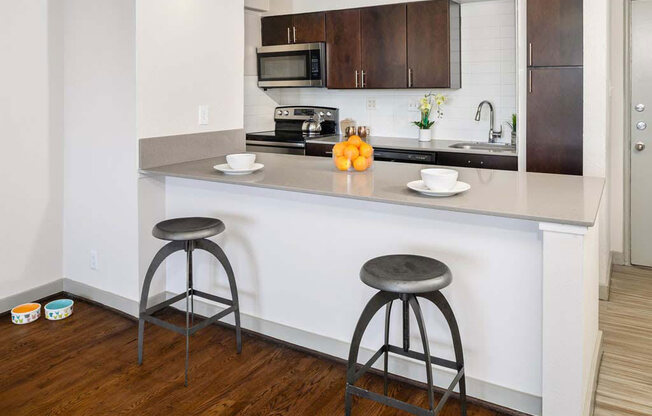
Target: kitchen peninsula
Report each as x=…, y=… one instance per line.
x=522, y=248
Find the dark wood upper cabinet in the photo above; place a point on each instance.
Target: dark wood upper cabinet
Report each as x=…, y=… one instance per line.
x=433, y=44
x=383, y=44
x=297, y=28
x=343, y=48
x=309, y=27
x=555, y=32
x=276, y=30
x=554, y=121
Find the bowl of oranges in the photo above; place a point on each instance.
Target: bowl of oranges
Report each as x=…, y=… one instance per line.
x=353, y=154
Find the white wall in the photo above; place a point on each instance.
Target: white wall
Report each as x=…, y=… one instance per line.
x=190, y=53
x=488, y=72
x=100, y=145
x=31, y=170
x=618, y=124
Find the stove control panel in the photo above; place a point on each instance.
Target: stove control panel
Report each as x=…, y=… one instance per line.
x=306, y=113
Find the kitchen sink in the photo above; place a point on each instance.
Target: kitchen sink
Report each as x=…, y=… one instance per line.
x=490, y=147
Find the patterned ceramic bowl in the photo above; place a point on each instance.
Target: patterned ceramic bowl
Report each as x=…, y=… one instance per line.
x=58, y=309
x=25, y=313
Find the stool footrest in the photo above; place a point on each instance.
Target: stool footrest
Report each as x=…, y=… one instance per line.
x=421, y=356
x=147, y=315
x=214, y=298
x=419, y=411
x=162, y=305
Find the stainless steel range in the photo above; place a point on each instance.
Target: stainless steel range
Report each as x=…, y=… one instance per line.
x=293, y=126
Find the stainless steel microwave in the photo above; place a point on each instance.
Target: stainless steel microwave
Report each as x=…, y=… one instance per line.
x=298, y=65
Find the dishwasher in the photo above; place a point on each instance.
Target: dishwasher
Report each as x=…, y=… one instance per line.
x=405, y=156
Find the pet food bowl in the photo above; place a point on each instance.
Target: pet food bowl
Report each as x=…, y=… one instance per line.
x=25, y=313
x=58, y=309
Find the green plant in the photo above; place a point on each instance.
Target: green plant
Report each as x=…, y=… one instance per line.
x=429, y=102
x=512, y=125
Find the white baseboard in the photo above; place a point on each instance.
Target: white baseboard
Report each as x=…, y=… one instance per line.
x=604, y=289
x=31, y=295
x=593, y=375
x=401, y=366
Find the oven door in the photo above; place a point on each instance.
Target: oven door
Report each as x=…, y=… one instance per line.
x=300, y=65
x=286, y=148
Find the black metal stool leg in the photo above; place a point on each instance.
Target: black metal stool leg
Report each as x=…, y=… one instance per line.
x=160, y=256
x=388, y=313
x=189, y=249
x=219, y=254
x=414, y=303
x=379, y=300
x=442, y=304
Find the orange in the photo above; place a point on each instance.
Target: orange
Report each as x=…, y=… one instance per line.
x=355, y=140
x=351, y=152
x=360, y=163
x=342, y=163
x=366, y=150
x=338, y=149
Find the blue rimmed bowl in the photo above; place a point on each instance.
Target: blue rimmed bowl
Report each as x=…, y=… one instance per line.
x=58, y=309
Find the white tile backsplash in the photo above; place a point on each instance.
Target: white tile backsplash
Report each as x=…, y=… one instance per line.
x=488, y=73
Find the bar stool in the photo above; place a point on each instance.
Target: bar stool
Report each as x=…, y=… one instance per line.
x=405, y=277
x=188, y=234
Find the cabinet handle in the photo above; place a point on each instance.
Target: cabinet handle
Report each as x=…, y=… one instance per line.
x=289, y=40
x=356, y=79
x=294, y=33
x=529, y=81
x=529, y=54
x=410, y=83
x=363, y=84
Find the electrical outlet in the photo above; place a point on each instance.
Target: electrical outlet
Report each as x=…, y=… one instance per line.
x=203, y=115
x=371, y=103
x=94, y=260
x=413, y=105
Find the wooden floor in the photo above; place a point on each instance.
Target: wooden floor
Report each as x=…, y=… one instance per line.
x=86, y=365
x=625, y=378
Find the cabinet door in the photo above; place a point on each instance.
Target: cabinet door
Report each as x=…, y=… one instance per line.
x=384, y=52
x=428, y=44
x=555, y=121
x=309, y=27
x=343, y=48
x=555, y=32
x=276, y=30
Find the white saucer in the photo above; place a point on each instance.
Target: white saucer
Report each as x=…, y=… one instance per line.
x=224, y=168
x=421, y=187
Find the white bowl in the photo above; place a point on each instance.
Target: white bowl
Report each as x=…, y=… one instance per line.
x=438, y=179
x=25, y=313
x=58, y=309
x=241, y=160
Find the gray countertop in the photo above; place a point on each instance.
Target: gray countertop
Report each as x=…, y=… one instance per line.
x=530, y=196
x=414, y=144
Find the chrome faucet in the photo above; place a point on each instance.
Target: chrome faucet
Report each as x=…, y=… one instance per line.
x=493, y=135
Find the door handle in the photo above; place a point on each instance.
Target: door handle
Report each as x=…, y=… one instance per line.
x=640, y=146
x=357, y=85
x=363, y=84
x=289, y=40
x=410, y=83
x=529, y=81
x=294, y=33
x=529, y=54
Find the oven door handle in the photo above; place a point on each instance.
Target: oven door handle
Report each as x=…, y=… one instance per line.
x=276, y=144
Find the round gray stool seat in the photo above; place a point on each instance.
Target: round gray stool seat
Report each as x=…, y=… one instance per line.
x=186, y=229
x=404, y=273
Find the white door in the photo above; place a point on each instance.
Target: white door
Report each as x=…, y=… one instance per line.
x=641, y=133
